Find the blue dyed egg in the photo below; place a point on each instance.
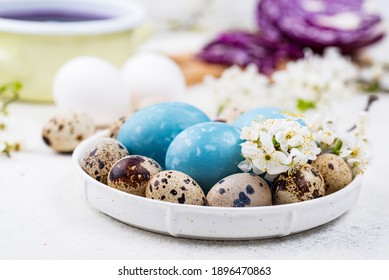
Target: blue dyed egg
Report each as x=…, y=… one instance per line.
x=259, y=114
x=149, y=131
x=207, y=152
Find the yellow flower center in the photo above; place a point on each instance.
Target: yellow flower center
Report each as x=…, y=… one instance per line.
x=355, y=152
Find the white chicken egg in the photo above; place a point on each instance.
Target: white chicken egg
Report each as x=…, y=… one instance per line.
x=149, y=75
x=91, y=85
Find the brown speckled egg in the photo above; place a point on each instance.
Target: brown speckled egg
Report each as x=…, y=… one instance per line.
x=100, y=156
x=132, y=174
x=174, y=186
x=240, y=190
x=115, y=127
x=336, y=172
x=303, y=182
x=66, y=130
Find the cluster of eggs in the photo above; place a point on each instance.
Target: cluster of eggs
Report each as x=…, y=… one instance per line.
x=114, y=92
x=170, y=151
x=173, y=152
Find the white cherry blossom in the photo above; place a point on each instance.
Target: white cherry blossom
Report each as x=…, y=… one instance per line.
x=311, y=82
x=277, y=146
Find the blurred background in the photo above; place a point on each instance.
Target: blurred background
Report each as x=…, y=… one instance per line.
x=201, y=15
x=211, y=15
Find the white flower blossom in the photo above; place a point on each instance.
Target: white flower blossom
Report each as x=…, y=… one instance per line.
x=357, y=155
x=353, y=146
x=241, y=88
x=362, y=124
x=2, y=147
x=374, y=77
x=272, y=146
x=311, y=82
x=326, y=136
x=8, y=142
x=324, y=130
x=268, y=159
x=315, y=80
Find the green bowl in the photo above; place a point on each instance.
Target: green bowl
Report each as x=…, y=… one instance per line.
x=33, y=46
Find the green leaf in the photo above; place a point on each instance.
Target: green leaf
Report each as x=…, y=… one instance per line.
x=305, y=105
x=370, y=87
x=337, y=147
x=275, y=142
x=9, y=93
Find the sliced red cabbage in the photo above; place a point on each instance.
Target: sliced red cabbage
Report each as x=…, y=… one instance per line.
x=289, y=26
x=243, y=48
x=311, y=23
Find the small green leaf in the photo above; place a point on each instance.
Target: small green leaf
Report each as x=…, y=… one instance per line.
x=220, y=108
x=337, y=147
x=370, y=87
x=304, y=105
x=275, y=142
x=9, y=93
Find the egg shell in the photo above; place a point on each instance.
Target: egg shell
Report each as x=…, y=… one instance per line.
x=335, y=171
x=259, y=114
x=207, y=152
x=150, y=131
x=149, y=74
x=303, y=182
x=176, y=187
x=240, y=190
x=132, y=174
x=92, y=85
x=100, y=156
x=115, y=127
x=66, y=130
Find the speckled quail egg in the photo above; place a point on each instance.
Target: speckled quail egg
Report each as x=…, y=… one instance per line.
x=240, y=190
x=177, y=187
x=336, y=172
x=303, y=182
x=66, y=130
x=115, y=127
x=100, y=156
x=132, y=174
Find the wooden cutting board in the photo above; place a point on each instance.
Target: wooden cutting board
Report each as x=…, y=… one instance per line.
x=195, y=70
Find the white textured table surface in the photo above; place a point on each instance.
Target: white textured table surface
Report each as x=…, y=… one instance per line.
x=44, y=215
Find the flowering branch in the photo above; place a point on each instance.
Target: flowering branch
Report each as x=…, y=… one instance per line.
x=8, y=93
x=276, y=145
x=313, y=82
x=352, y=145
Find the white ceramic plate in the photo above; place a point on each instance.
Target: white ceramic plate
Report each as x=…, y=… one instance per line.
x=220, y=223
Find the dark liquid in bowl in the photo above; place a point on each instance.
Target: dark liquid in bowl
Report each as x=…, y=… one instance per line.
x=57, y=16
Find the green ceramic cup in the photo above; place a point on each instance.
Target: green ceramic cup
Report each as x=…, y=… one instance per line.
x=37, y=37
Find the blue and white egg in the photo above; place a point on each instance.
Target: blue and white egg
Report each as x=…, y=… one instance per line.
x=207, y=152
x=150, y=131
x=260, y=114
